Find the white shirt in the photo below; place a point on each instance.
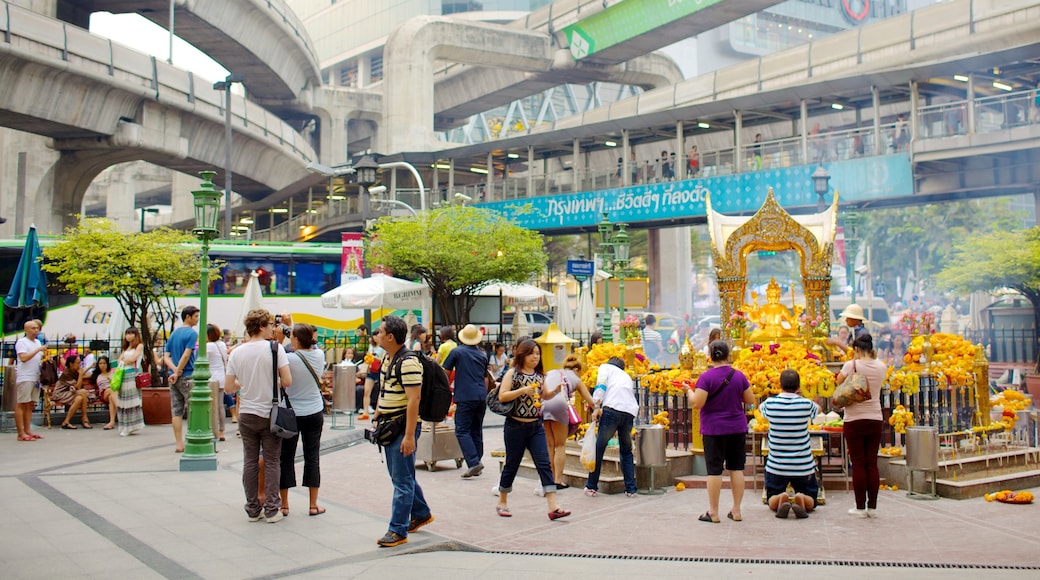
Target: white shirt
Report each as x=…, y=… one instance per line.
x=28, y=371
x=216, y=354
x=615, y=389
x=251, y=365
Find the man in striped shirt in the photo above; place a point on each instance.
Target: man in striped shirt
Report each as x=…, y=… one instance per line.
x=790, y=458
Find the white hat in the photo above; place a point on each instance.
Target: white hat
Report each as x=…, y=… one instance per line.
x=471, y=335
x=853, y=311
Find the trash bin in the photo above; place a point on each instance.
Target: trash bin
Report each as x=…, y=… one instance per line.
x=922, y=448
x=10, y=396
x=650, y=446
x=344, y=386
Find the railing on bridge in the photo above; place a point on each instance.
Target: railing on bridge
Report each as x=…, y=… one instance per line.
x=991, y=114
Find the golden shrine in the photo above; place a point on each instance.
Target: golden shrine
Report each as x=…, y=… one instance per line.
x=773, y=229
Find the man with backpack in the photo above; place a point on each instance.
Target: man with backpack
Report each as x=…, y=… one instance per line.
x=470, y=363
x=401, y=384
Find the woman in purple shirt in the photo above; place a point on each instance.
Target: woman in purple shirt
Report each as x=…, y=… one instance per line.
x=721, y=394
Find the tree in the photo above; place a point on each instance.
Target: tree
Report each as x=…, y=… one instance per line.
x=998, y=260
x=142, y=271
x=457, y=250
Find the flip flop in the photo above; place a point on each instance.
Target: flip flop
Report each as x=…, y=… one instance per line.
x=707, y=518
x=558, y=513
x=730, y=516
x=69, y=427
x=26, y=438
x=503, y=512
x=109, y=427
x=87, y=426
x=317, y=511
x=35, y=436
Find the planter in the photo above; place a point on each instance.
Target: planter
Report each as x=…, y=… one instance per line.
x=1033, y=387
x=155, y=402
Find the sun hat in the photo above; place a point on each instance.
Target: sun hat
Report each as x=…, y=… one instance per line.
x=471, y=335
x=853, y=311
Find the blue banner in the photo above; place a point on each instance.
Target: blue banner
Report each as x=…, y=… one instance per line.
x=856, y=180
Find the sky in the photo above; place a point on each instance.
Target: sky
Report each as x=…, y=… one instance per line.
x=145, y=36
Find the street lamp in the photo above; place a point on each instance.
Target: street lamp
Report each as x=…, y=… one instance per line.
x=821, y=184
x=144, y=210
x=366, y=170
x=851, y=248
x=605, y=229
x=621, y=249
x=199, y=454
x=225, y=85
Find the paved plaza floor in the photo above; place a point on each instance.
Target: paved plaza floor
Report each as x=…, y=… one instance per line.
x=85, y=504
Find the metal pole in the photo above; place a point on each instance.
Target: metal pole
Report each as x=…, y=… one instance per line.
x=199, y=453
x=227, y=159
x=170, y=60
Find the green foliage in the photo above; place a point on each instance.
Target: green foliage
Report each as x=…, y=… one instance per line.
x=457, y=250
x=140, y=270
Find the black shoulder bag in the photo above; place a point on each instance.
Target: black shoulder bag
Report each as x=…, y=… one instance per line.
x=283, y=419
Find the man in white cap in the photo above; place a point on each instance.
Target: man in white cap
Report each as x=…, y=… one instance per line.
x=854, y=317
x=470, y=363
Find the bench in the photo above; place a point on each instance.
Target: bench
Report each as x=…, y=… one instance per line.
x=94, y=403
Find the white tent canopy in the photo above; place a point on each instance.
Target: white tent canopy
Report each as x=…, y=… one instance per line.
x=564, y=318
x=379, y=291
x=520, y=294
x=252, y=300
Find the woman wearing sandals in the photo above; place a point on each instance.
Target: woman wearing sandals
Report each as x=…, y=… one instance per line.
x=721, y=394
x=555, y=416
x=306, y=363
x=69, y=391
x=216, y=354
x=523, y=430
x=102, y=378
x=129, y=413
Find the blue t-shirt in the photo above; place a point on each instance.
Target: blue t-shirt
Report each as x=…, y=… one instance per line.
x=470, y=365
x=182, y=338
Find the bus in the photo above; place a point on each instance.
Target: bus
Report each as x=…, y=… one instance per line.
x=292, y=278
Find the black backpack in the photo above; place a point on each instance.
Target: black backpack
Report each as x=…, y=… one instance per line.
x=435, y=395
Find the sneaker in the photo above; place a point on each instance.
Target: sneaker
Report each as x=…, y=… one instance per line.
x=784, y=510
x=392, y=539
x=255, y=518
x=630, y=494
x=122, y=432
x=277, y=517
x=871, y=513
x=591, y=492
x=539, y=491
x=857, y=513
x=415, y=524
x=494, y=490
x=473, y=471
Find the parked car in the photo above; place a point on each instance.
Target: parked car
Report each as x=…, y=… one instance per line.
x=537, y=322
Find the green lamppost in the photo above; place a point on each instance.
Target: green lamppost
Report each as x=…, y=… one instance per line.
x=851, y=249
x=199, y=454
x=621, y=247
x=606, y=253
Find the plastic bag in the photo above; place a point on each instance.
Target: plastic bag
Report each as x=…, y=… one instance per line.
x=588, y=448
x=117, y=379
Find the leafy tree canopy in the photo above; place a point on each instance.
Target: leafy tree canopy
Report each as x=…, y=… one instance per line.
x=457, y=250
x=142, y=271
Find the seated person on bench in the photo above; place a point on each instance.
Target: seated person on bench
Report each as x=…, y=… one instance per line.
x=69, y=391
x=790, y=459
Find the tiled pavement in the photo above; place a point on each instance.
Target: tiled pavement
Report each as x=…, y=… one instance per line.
x=82, y=504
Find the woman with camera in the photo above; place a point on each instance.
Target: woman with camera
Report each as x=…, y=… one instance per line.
x=306, y=362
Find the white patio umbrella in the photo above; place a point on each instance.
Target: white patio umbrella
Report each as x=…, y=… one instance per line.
x=585, y=318
x=251, y=300
x=564, y=318
x=520, y=326
x=378, y=291
x=521, y=294
x=118, y=324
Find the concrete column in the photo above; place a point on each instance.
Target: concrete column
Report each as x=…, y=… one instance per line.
x=738, y=142
x=181, y=202
x=803, y=119
x=435, y=187
x=530, y=171
x=970, y=113
x=545, y=175
x=680, y=152
x=626, y=155
x=490, y=195
x=875, y=99
x=915, y=103
x=393, y=184
x=576, y=168
x=24, y=162
x=364, y=71
x=671, y=288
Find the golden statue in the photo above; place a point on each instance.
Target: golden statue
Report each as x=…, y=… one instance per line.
x=774, y=320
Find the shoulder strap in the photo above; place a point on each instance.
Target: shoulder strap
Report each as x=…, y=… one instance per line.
x=314, y=375
x=723, y=386
x=274, y=372
x=399, y=359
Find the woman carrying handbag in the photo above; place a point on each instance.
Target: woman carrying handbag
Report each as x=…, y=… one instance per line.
x=863, y=423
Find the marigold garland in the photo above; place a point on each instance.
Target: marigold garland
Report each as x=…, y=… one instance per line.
x=762, y=366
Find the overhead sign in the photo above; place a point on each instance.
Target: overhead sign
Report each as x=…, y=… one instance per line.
x=582, y=270
x=626, y=20
x=864, y=179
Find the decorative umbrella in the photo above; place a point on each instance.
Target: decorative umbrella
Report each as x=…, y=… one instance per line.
x=520, y=326
x=519, y=294
x=378, y=291
x=585, y=319
x=564, y=317
x=29, y=286
x=251, y=300
x=118, y=324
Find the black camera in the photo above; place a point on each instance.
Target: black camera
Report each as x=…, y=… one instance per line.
x=370, y=436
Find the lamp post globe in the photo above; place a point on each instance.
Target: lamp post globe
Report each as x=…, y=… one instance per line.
x=199, y=451
x=821, y=184
x=606, y=252
x=365, y=170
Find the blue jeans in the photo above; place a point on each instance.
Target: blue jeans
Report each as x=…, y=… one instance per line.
x=469, y=429
x=520, y=437
x=408, y=502
x=611, y=422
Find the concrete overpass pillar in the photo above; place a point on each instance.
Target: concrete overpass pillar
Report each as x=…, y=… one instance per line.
x=119, y=207
x=626, y=159
x=669, y=269
x=679, y=171
x=915, y=120
x=738, y=142
x=490, y=177
x=530, y=171
x=803, y=120
x=971, y=104
x=576, y=164
x=24, y=161
x=451, y=179
x=875, y=101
